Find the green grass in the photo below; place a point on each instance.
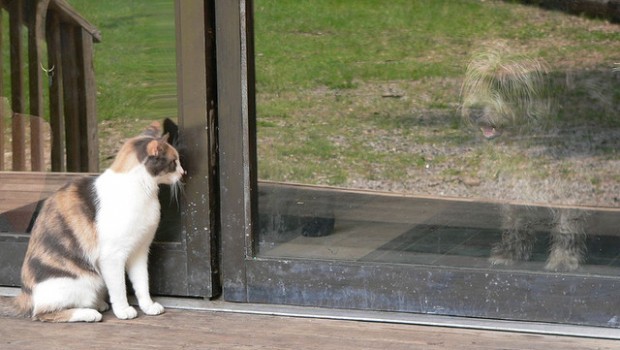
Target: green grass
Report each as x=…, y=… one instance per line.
x=324, y=66
x=337, y=43
x=135, y=61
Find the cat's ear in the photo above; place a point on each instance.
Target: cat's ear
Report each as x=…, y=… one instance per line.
x=157, y=146
x=152, y=130
x=171, y=128
x=154, y=148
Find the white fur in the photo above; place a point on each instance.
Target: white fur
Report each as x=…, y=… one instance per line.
x=126, y=222
x=127, y=219
x=67, y=293
x=85, y=315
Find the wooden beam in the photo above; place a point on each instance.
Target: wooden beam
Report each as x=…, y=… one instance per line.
x=87, y=94
x=56, y=96
x=70, y=87
x=16, y=10
x=237, y=138
x=197, y=98
x=2, y=114
x=36, y=30
x=70, y=16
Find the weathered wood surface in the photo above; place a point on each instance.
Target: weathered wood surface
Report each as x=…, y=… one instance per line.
x=20, y=193
x=21, y=188
x=35, y=24
x=182, y=329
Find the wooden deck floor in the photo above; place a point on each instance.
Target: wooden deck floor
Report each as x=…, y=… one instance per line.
x=183, y=329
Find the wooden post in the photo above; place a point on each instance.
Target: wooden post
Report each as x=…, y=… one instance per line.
x=89, y=141
x=70, y=96
x=197, y=128
x=56, y=96
x=35, y=39
x=2, y=121
x=17, y=85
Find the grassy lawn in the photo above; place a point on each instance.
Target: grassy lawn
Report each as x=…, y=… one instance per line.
x=135, y=66
x=135, y=61
x=365, y=93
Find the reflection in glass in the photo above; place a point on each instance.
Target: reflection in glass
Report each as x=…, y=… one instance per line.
x=465, y=134
x=135, y=68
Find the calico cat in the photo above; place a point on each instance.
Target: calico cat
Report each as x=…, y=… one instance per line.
x=92, y=231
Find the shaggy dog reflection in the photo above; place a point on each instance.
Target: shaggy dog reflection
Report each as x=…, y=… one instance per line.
x=503, y=92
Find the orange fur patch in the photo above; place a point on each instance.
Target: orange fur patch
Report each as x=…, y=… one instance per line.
x=153, y=148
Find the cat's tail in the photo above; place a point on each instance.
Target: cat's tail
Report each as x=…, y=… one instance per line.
x=19, y=306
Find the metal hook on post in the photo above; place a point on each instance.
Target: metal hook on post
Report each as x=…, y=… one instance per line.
x=49, y=72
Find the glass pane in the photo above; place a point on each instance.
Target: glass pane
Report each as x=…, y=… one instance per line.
x=135, y=65
x=447, y=133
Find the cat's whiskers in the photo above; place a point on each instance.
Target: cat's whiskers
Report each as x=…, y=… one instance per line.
x=176, y=189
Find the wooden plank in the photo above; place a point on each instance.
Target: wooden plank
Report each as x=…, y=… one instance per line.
x=2, y=114
x=20, y=194
x=18, y=126
x=71, y=103
x=181, y=329
x=36, y=28
x=37, y=143
x=72, y=17
x=87, y=95
x=17, y=84
x=237, y=169
x=56, y=96
x=196, y=127
x=36, y=31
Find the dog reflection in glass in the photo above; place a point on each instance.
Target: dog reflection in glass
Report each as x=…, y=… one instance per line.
x=505, y=93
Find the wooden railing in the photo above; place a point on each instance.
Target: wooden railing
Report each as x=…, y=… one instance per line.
x=37, y=27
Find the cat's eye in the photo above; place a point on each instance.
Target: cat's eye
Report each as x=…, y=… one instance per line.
x=172, y=165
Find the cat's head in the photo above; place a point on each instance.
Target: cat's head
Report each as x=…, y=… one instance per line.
x=154, y=153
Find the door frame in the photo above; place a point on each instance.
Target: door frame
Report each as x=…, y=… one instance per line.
x=469, y=292
x=188, y=264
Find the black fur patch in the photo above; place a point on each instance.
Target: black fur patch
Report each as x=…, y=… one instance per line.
x=160, y=165
x=87, y=194
x=66, y=246
x=140, y=147
x=155, y=165
x=43, y=272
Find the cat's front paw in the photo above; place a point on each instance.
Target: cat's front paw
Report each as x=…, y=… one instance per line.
x=153, y=309
x=85, y=315
x=125, y=313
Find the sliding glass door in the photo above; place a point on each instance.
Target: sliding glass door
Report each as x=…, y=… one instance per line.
x=446, y=157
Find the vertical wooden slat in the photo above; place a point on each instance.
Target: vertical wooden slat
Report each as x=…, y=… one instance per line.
x=36, y=31
x=2, y=116
x=89, y=142
x=197, y=98
x=17, y=85
x=70, y=96
x=37, y=143
x=238, y=197
x=56, y=96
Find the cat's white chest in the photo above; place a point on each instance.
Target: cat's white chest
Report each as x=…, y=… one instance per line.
x=128, y=210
